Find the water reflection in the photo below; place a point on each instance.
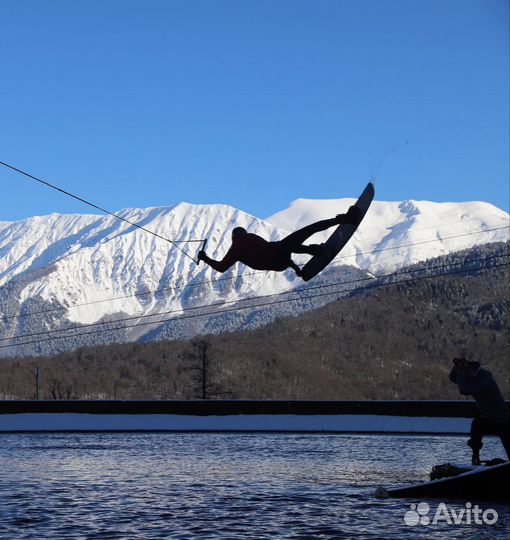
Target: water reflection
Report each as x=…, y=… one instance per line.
x=200, y=486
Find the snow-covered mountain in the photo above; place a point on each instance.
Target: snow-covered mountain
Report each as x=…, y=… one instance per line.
x=397, y=234
x=96, y=266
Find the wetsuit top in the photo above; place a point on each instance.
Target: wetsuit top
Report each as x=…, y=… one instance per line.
x=255, y=252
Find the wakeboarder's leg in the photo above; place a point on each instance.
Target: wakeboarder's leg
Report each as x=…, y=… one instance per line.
x=294, y=242
x=504, y=435
x=475, y=440
x=296, y=268
x=311, y=249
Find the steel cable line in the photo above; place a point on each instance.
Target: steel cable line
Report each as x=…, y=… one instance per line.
x=212, y=281
x=425, y=242
x=233, y=309
x=291, y=291
x=173, y=242
x=113, y=299
x=50, y=332
x=158, y=314
x=97, y=207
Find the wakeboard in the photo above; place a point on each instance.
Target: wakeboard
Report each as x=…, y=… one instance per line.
x=339, y=238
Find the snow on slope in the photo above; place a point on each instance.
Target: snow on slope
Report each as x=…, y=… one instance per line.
x=396, y=234
x=91, y=258
x=77, y=259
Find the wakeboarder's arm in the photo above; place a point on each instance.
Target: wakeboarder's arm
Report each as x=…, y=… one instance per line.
x=220, y=266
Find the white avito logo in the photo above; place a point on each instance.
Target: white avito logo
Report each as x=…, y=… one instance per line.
x=418, y=515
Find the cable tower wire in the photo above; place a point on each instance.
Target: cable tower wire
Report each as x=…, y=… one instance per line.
x=101, y=209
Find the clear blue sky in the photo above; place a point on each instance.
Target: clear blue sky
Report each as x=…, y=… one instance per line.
x=252, y=103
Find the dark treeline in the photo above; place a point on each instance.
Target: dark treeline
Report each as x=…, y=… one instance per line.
x=391, y=342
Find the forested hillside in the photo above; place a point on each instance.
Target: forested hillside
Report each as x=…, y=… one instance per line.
x=394, y=340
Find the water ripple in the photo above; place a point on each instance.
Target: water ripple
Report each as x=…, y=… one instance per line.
x=222, y=486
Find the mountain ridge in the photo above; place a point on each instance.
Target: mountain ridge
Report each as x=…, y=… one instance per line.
x=77, y=261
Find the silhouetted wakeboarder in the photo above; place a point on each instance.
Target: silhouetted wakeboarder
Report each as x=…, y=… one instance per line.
x=260, y=254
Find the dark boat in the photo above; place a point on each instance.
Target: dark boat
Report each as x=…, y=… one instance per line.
x=487, y=483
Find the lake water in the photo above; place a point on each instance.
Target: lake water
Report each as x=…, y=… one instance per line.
x=223, y=486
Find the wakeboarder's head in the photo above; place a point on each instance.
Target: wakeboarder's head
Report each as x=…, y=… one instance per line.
x=239, y=231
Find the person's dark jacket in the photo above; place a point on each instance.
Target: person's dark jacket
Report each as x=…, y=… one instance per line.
x=253, y=251
x=481, y=385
